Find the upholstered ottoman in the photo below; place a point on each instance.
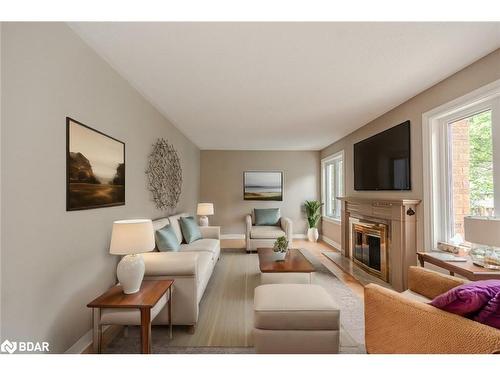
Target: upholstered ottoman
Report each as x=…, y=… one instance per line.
x=295, y=318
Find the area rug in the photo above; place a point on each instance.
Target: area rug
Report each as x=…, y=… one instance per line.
x=226, y=313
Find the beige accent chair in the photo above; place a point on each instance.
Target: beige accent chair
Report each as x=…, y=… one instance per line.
x=191, y=267
x=404, y=323
x=295, y=318
x=265, y=235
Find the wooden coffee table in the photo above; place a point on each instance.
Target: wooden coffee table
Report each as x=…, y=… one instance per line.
x=295, y=266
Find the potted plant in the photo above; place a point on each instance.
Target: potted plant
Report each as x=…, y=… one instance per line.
x=280, y=248
x=313, y=211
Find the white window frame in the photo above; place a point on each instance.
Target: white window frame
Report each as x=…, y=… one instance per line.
x=338, y=156
x=436, y=163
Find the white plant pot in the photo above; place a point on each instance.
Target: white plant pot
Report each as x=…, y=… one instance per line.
x=312, y=234
x=279, y=256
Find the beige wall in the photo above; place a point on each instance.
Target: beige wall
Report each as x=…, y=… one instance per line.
x=482, y=72
x=221, y=182
x=54, y=262
x=331, y=231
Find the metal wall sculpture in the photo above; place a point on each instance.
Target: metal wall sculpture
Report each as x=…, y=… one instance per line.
x=164, y=174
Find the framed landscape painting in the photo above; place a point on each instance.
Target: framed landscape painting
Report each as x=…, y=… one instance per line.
x=263, y=186
x=95, y=168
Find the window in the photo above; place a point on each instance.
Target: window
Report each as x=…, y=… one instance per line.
x=461, y=164
x=332, y=184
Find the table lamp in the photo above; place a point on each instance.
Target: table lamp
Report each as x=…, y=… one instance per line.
x=130, y=238
x=484, y=233
x=205, y=209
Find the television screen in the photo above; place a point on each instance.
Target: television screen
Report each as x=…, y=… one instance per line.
x=382, y=162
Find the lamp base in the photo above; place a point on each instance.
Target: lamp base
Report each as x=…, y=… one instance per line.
x=203, y=221
x=130, y=272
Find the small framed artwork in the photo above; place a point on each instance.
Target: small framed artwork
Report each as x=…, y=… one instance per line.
x=95, y=168
x=263, y=186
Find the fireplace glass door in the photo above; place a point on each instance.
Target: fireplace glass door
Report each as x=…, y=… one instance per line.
x=369, y=248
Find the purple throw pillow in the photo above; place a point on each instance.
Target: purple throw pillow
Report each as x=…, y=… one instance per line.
x=490, y=314
x=467, y=299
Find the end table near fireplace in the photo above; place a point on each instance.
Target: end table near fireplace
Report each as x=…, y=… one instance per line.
x=116, y=307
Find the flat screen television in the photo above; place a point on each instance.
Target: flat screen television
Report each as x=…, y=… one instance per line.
x=382, y=162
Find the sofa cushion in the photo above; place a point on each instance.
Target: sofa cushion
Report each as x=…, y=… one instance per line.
x=166, y=240
x=490, y=314
x=266, y=231
x=190, y=230
x=294, y=307
x=205, y=244
x=267, y=216
x=174, y=222
x=415, y=296
x=467, y=299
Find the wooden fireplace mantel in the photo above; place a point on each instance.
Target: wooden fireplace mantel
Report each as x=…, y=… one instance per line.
x=400, y=215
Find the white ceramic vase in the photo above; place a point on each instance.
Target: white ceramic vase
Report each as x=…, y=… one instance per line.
x=312, y=234
x=130, y=272
x=280, y=256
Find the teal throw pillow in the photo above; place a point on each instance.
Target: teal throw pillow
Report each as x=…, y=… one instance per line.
x=190, y=230
x=267, y=216
x=166, y=240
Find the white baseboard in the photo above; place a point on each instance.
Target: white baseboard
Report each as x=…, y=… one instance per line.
x=83, y=342
x=232, y=236
x=331, y=242
x=235, y=236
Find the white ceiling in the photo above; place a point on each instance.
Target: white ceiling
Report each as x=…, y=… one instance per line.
x=283, y=85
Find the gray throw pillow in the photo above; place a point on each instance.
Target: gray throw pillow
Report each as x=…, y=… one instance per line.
x=190, y=229
x=267, y=216
x=166, y=240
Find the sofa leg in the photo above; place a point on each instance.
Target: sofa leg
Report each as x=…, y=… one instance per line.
x=192, y=329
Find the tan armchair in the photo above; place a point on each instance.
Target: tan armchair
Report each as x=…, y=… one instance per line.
x=404, y=323
x=265, y=235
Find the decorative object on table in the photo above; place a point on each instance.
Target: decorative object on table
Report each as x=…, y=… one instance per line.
x=453, y=249
x=484, y=234
x=313, y=212
x=164, y=174
x=263, y=186
x=280, y=248
x=95, y=168
x=204, y=210
x=130, y=238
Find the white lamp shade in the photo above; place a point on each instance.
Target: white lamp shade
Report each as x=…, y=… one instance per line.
x=482, y=230
x=132, y=237
x=205, y=209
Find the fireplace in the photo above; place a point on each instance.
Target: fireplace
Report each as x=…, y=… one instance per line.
x=369, y=248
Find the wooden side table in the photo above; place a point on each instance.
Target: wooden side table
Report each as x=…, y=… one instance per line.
x=144, y=300
x=466, y=269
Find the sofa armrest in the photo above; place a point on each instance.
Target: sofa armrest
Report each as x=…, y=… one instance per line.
x=170, y=263
x=210, y=232
x=396, y=324
x=248, y=225
x=287, y=226
x=431, y=283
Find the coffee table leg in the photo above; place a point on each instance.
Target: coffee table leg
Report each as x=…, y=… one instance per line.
x=97, y=332
x=146, y=330
x=170, y=310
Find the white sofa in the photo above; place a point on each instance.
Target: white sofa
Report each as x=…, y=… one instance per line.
x=265, y=235
x=190, y=267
